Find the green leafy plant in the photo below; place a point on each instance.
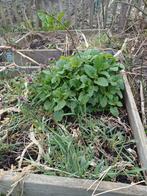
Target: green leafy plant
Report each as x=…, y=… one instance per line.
x=77, y=85
x=51, y=22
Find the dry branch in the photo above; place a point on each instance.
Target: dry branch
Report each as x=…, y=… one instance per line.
x=116, y=189
x=142, y=104
x=26, y=57
x=7, y=110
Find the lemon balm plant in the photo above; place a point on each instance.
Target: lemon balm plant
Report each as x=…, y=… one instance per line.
x=80, y=84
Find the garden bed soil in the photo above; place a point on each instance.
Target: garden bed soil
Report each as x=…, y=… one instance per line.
x=11, y=151
x=18, y=139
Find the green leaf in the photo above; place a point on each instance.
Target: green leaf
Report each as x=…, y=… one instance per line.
x=105, y=73
x=60, y=105
x=98, y=61
x=119, y=93
x=114, y=111
x=48, y=106
x=114, y=68
x=121, y=65
x=83, y=98
x=101, y=81
x=103, y=102
x=58, y=115
x=60, y=16
x=72, y=105
x=90, y=71
x=119, y=104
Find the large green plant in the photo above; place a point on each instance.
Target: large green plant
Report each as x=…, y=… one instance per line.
x=77, y=85
x=50, y=22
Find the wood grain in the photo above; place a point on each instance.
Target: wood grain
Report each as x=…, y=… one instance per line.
x=136, y=125
x=41, y=185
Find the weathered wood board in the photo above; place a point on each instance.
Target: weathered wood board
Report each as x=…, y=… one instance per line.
x=41, y=185
x=25, y=39
x=136, y=125
x=41, y=56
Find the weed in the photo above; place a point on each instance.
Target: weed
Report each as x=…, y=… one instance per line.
x=49, y=22
x=96, y=147
x=85, y=147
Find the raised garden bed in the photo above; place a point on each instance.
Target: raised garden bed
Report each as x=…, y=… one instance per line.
x=41, y=47
x=58, y=186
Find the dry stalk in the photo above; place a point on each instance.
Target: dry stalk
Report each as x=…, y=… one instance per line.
x=23, y=37
x=102, y=177
x=120, y=188
x=8, y=110
x=19, y=178
x=40, y=148
x=23, y=154
x=47, y=168
x=139, y=48
x=5, y=136
x=103, y=174
x=66, y=45
x=142, y=104
x=3, y=68
x=85, y=40
x=28, y=58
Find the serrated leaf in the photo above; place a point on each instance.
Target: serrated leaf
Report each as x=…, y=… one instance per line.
x=103, y=102
x=101, y=81
x=60, y=105
x=114, y=111
x=90, y=71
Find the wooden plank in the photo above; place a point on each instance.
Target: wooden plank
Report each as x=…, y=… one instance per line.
x=42, y=56
x=17, y=71
x=136, y=125
x=61, y=186
x=25, y=40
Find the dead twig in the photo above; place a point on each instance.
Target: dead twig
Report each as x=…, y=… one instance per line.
x=28, y=58
x=19, y=178
x=8, y=110
x=36, y=142
x=120, y=188
x=5, y=135
x=47, y=168
x=102, y=177
x=23, y=37
x=23, y=153
x=132, y=5
x=142, y=104
x=3, y=68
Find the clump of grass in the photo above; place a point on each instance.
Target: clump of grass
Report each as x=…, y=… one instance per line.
x=83, y=147
x=88, y=148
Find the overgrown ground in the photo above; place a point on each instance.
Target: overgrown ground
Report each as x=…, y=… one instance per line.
x=87, y=147
x=98, y=146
